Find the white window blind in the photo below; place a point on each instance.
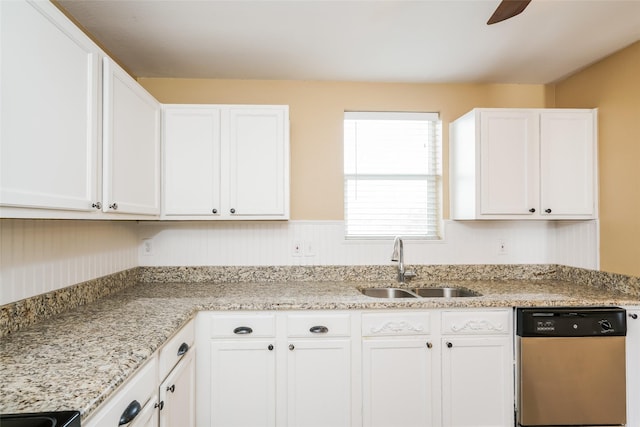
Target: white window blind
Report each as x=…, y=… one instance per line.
x=392, y=174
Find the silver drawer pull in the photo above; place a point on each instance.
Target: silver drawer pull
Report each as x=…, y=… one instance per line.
x=242, y=330
x=319, y=330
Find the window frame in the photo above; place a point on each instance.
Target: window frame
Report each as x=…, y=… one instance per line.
x=434, y=220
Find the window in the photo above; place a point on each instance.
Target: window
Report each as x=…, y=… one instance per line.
x=392, y=175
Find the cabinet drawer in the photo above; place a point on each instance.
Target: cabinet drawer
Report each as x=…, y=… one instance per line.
x=139, y=388
x=407, y=323
x=243, y=325
x=476, y=322
x=174, y=350
x=319, y=325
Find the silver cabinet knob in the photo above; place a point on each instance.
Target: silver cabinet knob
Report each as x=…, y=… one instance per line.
x=429, y=345
x=97, y=205
x=113, y=206
x=232, y=210
x=292, y=347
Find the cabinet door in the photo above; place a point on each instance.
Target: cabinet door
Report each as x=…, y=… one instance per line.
x=131, y=145
x=509, y=165
x=397, y=382
x=477, y=382
x=567, y=155
x=258, y=161
x=48, y=110
x=243, y=386
x=191, y=161
x=319, y=383
x=633, y=366
x=177, y=392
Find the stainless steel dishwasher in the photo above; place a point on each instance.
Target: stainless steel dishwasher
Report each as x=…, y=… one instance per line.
x=571, y=366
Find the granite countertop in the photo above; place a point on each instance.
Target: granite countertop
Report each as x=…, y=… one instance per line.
x=78, y=358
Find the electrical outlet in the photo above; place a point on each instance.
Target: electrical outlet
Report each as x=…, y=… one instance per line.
x=297, y=249
x=309, y=248
x=502, y=247
x=147, y=247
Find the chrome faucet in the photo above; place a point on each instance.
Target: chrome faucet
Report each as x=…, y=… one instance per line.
x=398, y=256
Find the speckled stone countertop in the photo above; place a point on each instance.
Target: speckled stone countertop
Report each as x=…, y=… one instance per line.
x=76, y=359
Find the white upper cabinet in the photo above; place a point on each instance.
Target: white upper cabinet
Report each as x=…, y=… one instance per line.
x=226, y=162
x=524, y=164
x=191, y=175
x=258, y=161
x=49, y=106
x=568, y=157
x=131, y=145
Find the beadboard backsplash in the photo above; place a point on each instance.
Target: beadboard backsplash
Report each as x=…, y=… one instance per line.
x=39, y=256
x=322, y=243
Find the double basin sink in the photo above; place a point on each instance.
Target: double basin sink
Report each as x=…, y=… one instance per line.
x=440, y=292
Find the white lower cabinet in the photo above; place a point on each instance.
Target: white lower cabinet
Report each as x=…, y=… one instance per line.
x=264, y=369
x=477, y=368
x=241, y=384
x=633, y=366
x=398, y=381
x=438, y=368
x=385, y=368
x=160, y=394
x=477, y=382
x=177, y=392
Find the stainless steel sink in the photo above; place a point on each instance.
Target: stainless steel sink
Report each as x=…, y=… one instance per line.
x=388, y=293
x=445, y=292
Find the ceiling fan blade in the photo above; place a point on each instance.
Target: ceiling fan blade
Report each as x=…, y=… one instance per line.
x=508, y=9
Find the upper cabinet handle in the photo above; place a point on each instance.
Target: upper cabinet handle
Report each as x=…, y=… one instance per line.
x=184, y=347
x=242, y=330
x=319, y=330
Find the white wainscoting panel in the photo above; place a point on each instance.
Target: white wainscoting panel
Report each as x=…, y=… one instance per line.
x=38, y=256
x=323, y=243
x=577, y=244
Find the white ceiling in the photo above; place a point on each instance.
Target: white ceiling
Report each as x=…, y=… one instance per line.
x=358, y=40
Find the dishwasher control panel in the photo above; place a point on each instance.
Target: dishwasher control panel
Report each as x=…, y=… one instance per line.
x=571, y=322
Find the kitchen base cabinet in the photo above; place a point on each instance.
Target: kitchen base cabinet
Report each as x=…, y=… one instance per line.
x=160, y=394
x=242, y=385
x=399, y=371
x=477, y=378
x=177, y=392
x=397, y=382
x=477, y=368
x=275, y=369
x=320, y=382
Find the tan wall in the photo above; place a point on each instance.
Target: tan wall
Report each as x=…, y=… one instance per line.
x=316, y=113
x=613, y=86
